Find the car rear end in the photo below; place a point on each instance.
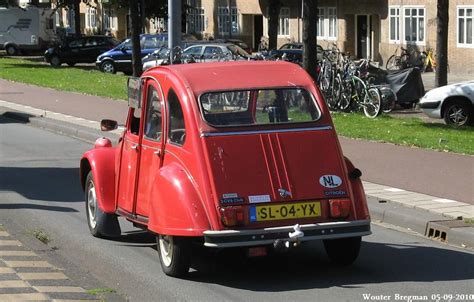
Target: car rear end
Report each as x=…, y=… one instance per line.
x=278, y=175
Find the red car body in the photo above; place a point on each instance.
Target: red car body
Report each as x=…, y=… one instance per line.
x=259, y=182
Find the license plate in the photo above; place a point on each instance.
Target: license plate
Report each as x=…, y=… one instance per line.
x=285, y=211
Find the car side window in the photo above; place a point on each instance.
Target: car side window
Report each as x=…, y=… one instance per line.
x=211, y=52
x=153, y=115
x=76, y=43
x=177, y=129
x=91, y=42
x=195, y=51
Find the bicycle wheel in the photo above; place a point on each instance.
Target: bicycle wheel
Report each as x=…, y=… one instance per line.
x=393, y=63
x=372, y=103
x=333, y=103
x=345, y=97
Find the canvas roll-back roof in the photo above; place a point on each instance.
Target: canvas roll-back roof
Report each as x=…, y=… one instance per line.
x=203, y=77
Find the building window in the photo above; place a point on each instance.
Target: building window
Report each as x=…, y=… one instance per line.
x=394, y=24
x=223, y=23
x=195, y=20
x=465, y=26
x=70, y=21
x=91, y=14
x=284, y=22
x=414, y=24
x=110, y=19
x=326, y=26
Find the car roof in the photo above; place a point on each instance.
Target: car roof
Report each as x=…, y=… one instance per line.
x=236, y=75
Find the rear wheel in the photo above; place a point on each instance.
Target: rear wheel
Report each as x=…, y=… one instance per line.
x=372, y=103
x=343, y=251
x=11, y=50
x=175, y=254
x=100, y=224
x=459, y=113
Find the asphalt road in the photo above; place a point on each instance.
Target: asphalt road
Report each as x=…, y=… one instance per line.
x=39, y=189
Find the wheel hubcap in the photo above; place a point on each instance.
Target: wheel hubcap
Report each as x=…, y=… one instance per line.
x=457, y=115
x=166, y=249
x=108, y=67
x=92, y=205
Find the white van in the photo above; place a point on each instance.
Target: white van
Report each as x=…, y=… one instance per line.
x=29, y=28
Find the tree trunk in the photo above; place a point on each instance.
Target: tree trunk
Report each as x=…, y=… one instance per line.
x=136, y=30
x=309, y=37
x=441, y=77
x=273, y=15
x=77, y=18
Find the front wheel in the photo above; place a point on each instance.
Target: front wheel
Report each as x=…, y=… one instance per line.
x=393, y=63
x=108, y=67
x=100, y=224
x=55, y=61
x=459, y=114
x=175, y=254
x=372, y=103
x=343, y=251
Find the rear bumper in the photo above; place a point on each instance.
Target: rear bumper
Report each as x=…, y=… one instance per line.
x=318, y=231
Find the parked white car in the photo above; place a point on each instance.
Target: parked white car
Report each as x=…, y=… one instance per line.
x=453, y=103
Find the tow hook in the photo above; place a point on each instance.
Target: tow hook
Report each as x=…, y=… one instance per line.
x=293, y=240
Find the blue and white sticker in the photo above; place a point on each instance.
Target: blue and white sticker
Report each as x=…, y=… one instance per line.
x=330, y=181
x=259, y=198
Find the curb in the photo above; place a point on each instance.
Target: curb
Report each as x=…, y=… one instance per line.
x=381, y=209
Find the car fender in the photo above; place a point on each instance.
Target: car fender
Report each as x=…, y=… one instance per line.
x=176, y=208
x=360, y=201
x=101, y=161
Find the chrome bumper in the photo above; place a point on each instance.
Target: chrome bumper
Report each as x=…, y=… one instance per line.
x=317, y=231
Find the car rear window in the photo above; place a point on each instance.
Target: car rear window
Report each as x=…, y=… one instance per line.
x=258, y=107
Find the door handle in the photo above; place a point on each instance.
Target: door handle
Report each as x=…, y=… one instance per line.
x=134, y=147
x=157, y=153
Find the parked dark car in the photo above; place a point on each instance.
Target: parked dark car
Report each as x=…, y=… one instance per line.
x=293, y=53
x=120, y=58
x=83, y=49
x=237, y=42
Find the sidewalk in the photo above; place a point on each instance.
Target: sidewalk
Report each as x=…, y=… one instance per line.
x=398, y=168
x=25, y=276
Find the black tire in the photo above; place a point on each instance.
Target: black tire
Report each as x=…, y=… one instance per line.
x=11, y=50
x=108, y=67
x=71, y=64
x=175, y=254
x=458, y=113
x=344, y=251
x=55, y=61
x=393, y=63
x=100, y=224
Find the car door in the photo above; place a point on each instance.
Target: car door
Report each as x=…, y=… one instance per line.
x=73, y=53
x=129, y=161
x=152, y=147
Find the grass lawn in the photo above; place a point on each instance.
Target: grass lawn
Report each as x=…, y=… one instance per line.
x=406, y=131
x=82, y=79
x=400, y=131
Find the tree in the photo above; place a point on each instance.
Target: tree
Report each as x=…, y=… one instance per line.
x=136, y=30
x=309, y=37
x=441, y=77
x=273, y=16
x=75, y=6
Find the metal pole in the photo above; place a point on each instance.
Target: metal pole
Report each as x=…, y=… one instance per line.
x=174, y=26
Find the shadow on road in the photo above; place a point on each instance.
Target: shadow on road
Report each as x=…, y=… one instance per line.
x=9, y=117
x=14, y=206
x=309, y=268
x=43, y=183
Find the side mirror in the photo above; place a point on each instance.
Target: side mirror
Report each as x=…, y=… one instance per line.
x=108, y=125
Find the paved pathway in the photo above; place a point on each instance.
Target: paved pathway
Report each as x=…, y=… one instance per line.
x=25, y=276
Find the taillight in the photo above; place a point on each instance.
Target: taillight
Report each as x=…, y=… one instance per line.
x=339, y=208
x=232, y=216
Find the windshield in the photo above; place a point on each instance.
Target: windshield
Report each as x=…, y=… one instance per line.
x=258, y=107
